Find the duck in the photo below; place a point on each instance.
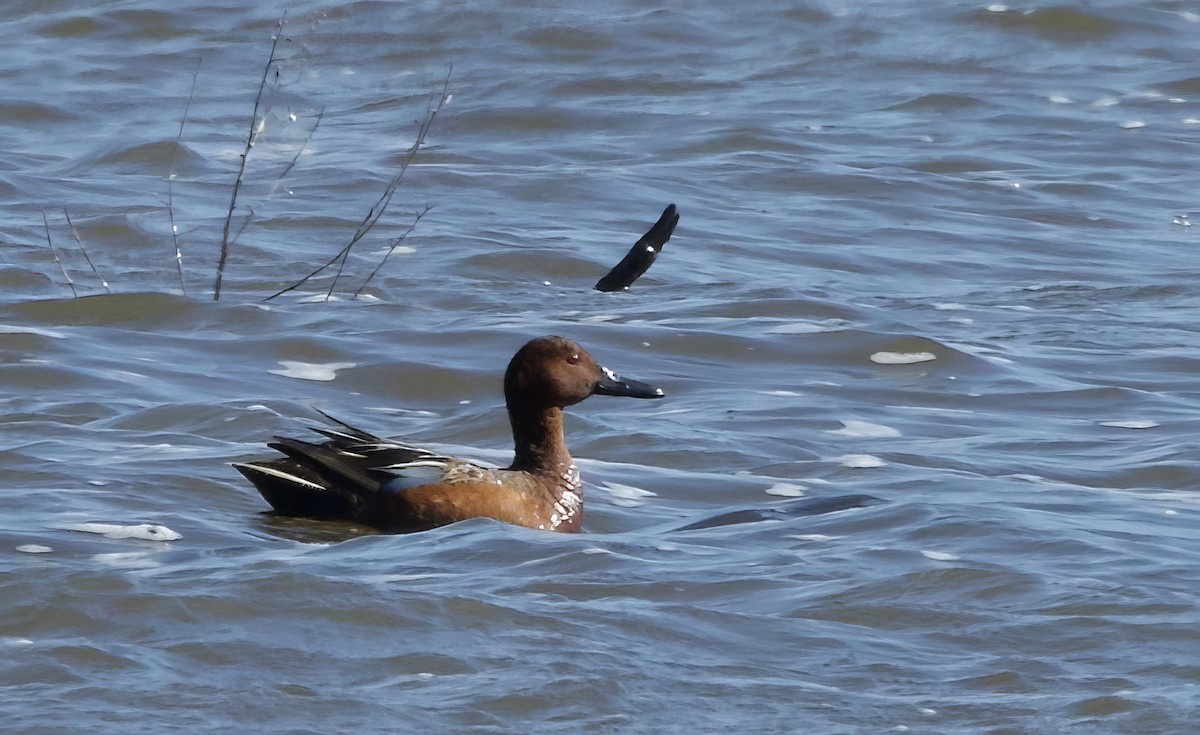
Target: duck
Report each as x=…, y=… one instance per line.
x=397, y=487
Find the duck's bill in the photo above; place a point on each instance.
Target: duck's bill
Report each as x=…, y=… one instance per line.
x=614, y=385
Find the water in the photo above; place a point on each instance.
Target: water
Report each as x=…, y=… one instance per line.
x=819, y=530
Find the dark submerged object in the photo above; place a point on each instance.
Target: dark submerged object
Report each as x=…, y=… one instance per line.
x=642, y=255
x=399, y=487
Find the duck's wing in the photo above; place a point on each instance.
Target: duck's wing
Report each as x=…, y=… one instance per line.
x=346, y=474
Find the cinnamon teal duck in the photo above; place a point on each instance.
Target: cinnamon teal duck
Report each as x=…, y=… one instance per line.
x=398, y=487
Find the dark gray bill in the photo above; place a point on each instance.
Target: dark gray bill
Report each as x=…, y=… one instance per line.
x=614, y=385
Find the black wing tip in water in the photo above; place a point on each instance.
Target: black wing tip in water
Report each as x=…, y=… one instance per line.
x=805, y=507
x=641, y=256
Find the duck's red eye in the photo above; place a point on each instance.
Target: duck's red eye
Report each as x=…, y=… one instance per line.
x=573, y=359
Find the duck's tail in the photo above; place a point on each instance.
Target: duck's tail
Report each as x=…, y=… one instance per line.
x=294, y=490
x=339, y=478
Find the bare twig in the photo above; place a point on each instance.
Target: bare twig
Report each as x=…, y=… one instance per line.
x=287, y=170
x=345, y=254
x=75, y=234
x=377, y=209
x=62, y=267
x=171, y=179
x=245, y=223
x=250, y=138
x=392, y=249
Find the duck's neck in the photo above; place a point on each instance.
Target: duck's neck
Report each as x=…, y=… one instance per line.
x=538, y=437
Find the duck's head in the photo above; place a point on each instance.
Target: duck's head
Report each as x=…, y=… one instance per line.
x=557, y=372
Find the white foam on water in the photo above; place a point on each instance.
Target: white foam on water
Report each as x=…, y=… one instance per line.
x=596, y=550
x=1133, y=124
x=34, y=549
x=128, y=560
x=779, y=393
x=14, y=641
x=860, y=461
x=983, y=353
x=939, y=555
x=1027, y=477
x=10, y=329
x=161, y=449
x=318, y=297
x=1130, y=424
x=949, y=306
x=413, y=412
x=393, y=578
x=935, y=409
x=812, y=537
x=796, y=328
x=140, y=531
x=627, y=496
x=398, y=250
x=786, y=490
x=865, y=430
x=902, y=358
x=311, y=370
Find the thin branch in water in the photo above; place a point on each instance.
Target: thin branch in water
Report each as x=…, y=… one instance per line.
x=345, y=255
x=62, y=267
x=245, y=223
x=250, y=139
x=292, y=165
x=171, y=179
x=392, y=249
x=75, y=234
x=377, y=209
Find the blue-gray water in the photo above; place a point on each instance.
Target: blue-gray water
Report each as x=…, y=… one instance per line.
x=1006, y=189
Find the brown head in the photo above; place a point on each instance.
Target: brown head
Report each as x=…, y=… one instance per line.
x=554, y=372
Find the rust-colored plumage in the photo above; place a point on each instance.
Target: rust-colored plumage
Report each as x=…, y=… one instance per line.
x=398, y=487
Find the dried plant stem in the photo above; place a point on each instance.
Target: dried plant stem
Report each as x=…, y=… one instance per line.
x=392, y=249
x=171, y=180
x=288, y=169
x=378, y=208
x=61, y=267
x=250, y=138
x=75, y=234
